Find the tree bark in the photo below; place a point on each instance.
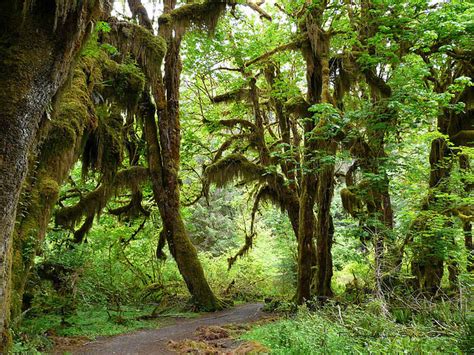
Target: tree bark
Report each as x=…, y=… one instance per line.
x=467, y=229
x=315, y=52
x=163, y=144
x=181, y=248
x=35, y=60
x=41, y=189
x=324, y=228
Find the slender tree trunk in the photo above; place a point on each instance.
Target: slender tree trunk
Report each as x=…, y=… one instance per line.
x=34, y=61
x=164, y=160
x=180, y=245
x=429, y=270
x=187, y=260
x=467, y=229
x=181, y=248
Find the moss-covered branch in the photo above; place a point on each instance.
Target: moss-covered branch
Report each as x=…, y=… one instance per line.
x=204, y=14
x=235, y=95
x=231, y=123
x=95, y=201
x=237, y=167
x=233, y=167
x=148, y=49
x=289, y=46
x=242, y=251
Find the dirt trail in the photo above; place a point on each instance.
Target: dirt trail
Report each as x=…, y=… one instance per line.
x=155, y=341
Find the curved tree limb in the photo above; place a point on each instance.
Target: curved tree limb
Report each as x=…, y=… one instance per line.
x=95, y=201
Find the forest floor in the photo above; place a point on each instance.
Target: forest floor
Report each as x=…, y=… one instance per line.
x=210, y=333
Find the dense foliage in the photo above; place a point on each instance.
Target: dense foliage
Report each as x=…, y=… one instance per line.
x=313, y=154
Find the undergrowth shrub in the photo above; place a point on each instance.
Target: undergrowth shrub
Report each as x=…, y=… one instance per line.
x=336, y=329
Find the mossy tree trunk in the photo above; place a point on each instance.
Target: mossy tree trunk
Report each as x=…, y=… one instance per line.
x=36, y=52
x=324, y=228
x=314, y=174
x=164, y=160
x=465, y=167
x=166, y=194
x=429, y=269
x=73, y=117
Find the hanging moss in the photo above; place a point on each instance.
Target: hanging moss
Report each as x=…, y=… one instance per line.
x=242, y=251
x=74, y=112
x=95, y=201
x=129, y=83
x=63, y=8
x=148, y=50
x=103, y=151
x=282, y=199
x=236, y=167
x=125, y=82
x=350, y=202
x=233, y=167
x=204, y=15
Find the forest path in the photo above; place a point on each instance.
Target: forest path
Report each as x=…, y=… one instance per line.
x=155, y=341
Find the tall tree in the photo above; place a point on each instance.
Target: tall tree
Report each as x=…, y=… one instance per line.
x=39, y=42
x=164, y=146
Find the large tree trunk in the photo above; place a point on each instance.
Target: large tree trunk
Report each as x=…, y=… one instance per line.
x=467, y=229
x=324, y=229
x=305, y=239
x=429, y=268
x=458, y=126
x=465, y=167
x=315, y=52
x=35, y=59
x=59, y=150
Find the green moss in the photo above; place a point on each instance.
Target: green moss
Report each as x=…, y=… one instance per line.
x=130, y=82
x=147, y=49
x=49, y=189
x=205, y=14
x=231, y=168
x=103, y=150
x=73, y=113
x=350, y=202
x=125, y=82
x=165, y=19
x=297, y=105
x=95, y=201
